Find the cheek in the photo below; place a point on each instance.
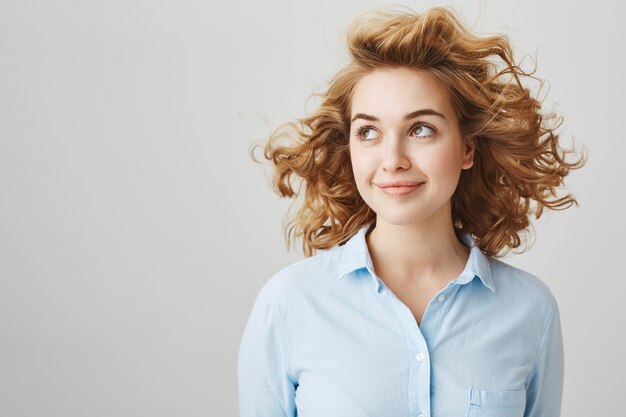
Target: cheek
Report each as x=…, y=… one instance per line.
x=360, y=166
x=360, y=175
x=441, y=163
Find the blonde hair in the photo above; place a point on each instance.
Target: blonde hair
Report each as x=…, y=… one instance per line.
x=517, y=157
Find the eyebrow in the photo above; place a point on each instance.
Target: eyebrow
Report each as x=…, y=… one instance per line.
x=408, y=116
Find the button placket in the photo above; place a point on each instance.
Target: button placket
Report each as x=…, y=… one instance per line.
x=419, y=369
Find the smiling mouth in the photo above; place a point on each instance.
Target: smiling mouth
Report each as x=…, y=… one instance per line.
x=401, y=190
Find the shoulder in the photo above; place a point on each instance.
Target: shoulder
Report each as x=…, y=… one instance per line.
x=306, y=276
x=522, y=287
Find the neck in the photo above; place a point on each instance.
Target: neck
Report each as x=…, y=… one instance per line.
x=418, y=252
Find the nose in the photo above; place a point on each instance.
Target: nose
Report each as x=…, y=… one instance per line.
x=395, y=156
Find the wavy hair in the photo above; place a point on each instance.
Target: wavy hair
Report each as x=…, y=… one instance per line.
x=517, y=159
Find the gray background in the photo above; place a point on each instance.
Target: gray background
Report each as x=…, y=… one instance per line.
x=135, y=230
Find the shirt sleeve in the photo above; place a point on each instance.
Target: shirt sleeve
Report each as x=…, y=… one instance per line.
x=544, y=391
x=266, y=388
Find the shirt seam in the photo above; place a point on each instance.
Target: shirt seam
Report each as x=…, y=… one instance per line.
x=282, y=334
x=541, y=346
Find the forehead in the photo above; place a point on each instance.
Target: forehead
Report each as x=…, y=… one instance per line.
x=392, y=92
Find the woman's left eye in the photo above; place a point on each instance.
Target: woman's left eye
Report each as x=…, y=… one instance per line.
x=423, y=130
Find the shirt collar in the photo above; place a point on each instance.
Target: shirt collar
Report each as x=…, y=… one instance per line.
x=355, y=255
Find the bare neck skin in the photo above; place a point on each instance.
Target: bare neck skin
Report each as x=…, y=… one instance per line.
x=419, y=253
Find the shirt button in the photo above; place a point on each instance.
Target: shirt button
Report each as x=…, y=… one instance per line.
x=420, y=356
x=441, y=297
x=421, y=415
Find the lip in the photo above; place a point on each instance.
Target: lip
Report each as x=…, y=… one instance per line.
x=398, y=184
x=399, y=187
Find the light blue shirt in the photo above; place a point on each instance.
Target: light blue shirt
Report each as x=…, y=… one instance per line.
x=327, y=338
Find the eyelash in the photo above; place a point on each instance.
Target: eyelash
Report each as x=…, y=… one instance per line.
x=362, y=129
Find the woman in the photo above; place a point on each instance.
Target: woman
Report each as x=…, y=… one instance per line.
x=418, y=170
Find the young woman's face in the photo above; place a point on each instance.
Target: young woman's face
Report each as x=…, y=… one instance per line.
x=404, y=131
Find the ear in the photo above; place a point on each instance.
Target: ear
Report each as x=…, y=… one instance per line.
x=468, y=153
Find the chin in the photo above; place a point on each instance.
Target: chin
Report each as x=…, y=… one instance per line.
x=400, y=217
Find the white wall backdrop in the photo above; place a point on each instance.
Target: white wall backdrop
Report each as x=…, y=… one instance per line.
x=135, y=231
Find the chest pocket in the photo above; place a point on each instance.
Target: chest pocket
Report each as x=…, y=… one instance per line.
x=497, y=403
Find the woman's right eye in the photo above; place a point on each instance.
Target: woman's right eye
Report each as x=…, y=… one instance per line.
x=361, y=133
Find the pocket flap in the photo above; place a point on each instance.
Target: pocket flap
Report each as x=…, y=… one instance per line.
x=498, y=398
